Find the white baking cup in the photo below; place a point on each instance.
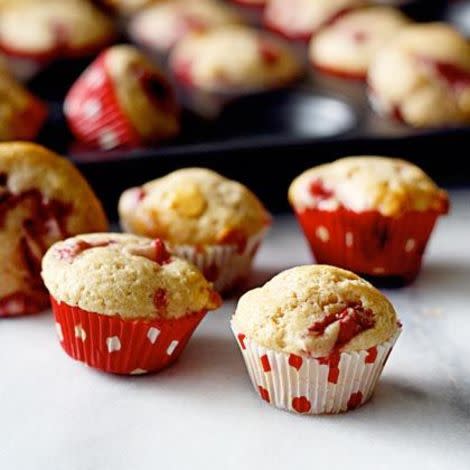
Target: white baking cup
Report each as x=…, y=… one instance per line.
x=301, y=384
x=230, y=265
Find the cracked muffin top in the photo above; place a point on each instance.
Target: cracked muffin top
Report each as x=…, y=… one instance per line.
x=193, y=206
x=388, y=185
x=125, y=275
x=316, y=310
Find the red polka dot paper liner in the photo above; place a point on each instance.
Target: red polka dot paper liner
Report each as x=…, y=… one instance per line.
x=129, y=347
x=307, y=385
x=369, y=243
x=93, y=112
x=226, y=266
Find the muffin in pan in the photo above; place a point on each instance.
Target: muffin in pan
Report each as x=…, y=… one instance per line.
x=300, y=19
x=160, y=26
x=21, y=113
x=43, y=199
x=122, y=99
x=216, y=223
x=315, y=339
x=422, y=77
x=122, y=303
x=51, y=29
x=372, y=215
x=233, y=59
x=346, y=47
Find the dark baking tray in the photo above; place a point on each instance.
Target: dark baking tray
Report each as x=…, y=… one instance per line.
x=265, y=140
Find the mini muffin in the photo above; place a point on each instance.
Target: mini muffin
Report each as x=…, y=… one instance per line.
x=347, y=47
x=300, y=19
x=21, y=113
x=315, y=339
x=122, y=99
x=43, y=199
x=422, y=77
x=373, y=215
x=50, y=29
x=216, y=223
x=160, y=26
x=233, y=59
x=122, y=303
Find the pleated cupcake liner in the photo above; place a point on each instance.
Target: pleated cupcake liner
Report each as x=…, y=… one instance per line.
x=118, y=346
x=94, y=113
x=369, y=243
x=302, y=384
x=223, y=265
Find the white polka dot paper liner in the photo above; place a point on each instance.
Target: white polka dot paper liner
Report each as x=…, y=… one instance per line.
x=307, y=385
x=93, y=112
x=226, y=266
x=369, y=243
x=129, y=347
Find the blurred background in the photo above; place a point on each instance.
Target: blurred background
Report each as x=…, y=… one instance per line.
x=262, y=139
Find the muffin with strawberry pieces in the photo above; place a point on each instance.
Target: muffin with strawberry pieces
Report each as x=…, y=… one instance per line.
x=216, y=223
x=373, y=215
x=315, y=339
x=347, y=47
x=37, y=32
x=123, y=303
x=422, y=77
x=255, y=61
x=43, y=199
x=122, y=99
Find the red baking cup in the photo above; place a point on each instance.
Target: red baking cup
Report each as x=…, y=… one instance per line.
x=368, y=242
x=111, y=344
x=23, y=303
x=93, y=111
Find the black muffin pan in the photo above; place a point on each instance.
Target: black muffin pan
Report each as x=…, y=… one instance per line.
x=266, y=139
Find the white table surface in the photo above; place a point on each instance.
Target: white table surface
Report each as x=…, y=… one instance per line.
x=203, y=413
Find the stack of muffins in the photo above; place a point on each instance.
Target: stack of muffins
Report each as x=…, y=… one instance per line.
x=314, y=338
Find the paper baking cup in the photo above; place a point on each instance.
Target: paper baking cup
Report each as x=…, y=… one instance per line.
x=226, y=266
x=19, y=303
x=368, y=242
x=111, y=344
x=325, y=385
x=93, y=111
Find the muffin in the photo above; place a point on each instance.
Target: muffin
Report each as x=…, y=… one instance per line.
x=39, y=32
x=160, y=26
x=121, y=99
x=21, y=114
x=300, y=19
x=346, y=47
x=233, y=59
x=315, y=339
x=216, y=223
x=43, y=199
x=372, y=215
x=122, y=303
x=422, y=77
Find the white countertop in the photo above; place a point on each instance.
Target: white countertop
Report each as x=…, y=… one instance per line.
x=203, y=413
